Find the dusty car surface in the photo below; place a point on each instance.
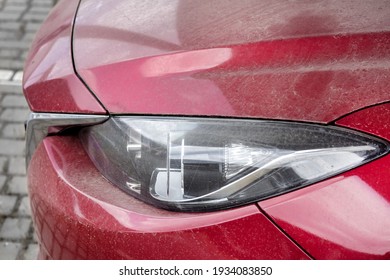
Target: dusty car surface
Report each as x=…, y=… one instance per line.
x=210, y=130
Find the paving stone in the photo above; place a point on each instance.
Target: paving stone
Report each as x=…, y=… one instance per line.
x=14, y=101
x=40, y=9
x=4, y=34
x=12, y=63
x=9, y=15
x=13, y=44
x=34, y=17
x=15, y=228
x=25, y=53
x=2, y=181
x=11, y=88
x=29, y=36
x=35, y=237
x=17, y=166
x=7, y=204
x=18, y=185
x=15, y=115
x=47, y=3
x=18, y=77
x=24, y=207
x=31, y=252
x=9, y=53
x=15, y=8
x=6, y=74
x=9, y=250
x=12, y=147
x=11, y=26
x=32, y=26
x=16, y=131
x=3, y=161
x=23, y=2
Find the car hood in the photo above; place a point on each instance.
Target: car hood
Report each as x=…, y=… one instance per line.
x=309, y=61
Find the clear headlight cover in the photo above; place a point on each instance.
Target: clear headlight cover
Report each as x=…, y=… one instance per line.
x=193, y=164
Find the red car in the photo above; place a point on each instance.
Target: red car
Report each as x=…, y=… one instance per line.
x=211, y=130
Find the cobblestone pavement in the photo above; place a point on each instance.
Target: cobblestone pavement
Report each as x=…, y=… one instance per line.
x=19, y=21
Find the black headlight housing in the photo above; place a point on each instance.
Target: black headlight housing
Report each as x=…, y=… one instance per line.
x=202, y=164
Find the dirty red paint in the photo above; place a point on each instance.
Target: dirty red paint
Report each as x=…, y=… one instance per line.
x=322, y=62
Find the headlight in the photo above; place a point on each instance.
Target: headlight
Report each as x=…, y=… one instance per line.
x=203, y=164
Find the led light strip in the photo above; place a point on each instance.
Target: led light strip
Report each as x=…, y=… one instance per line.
x=38, y=126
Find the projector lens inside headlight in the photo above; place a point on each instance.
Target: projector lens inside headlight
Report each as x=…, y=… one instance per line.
x=208, y=164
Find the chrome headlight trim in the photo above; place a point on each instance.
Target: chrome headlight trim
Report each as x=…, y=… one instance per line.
x=38, y=125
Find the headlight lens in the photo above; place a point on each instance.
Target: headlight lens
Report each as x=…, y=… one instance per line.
x=208, y=164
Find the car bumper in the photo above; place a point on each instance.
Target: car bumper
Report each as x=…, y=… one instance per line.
x=78, y=214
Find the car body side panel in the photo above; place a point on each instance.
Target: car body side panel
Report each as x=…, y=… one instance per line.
x=50, y=84
x=79, y=214
x=306, y=66
x=373, y=120
x=345, y=217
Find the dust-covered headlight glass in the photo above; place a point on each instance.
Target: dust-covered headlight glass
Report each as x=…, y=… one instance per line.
x=194, y=164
